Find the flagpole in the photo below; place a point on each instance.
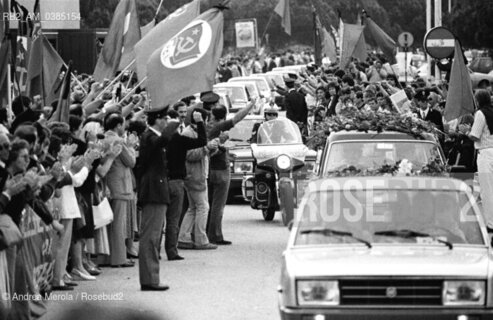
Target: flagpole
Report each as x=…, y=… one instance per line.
x=115, y=79
x=134, y=88
x=158, y=9
x=267, y=26
x=129, y=80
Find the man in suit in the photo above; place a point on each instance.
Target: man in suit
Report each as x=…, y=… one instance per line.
x=295, y=104
x=120, y=183
x=153, y=194
x=425, y=112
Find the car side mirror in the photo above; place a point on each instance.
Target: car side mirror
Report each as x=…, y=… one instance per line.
x=290, y=226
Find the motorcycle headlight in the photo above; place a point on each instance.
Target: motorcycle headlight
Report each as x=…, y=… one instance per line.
x=317, y=292
x=283, y=162
x=240, y=167
x=460, y=293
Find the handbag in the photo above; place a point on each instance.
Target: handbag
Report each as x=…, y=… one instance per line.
x=102, y=213
x=10, y=235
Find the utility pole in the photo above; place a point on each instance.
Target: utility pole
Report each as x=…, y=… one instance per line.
x=316, y=38
x=428, y=27
x=438, y=23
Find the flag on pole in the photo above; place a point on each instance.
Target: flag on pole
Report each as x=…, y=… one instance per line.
x=62, y=111
x=43, y=68
x=35, y=63
x=148, y=27
x=123, y=34
x=352, y=44
x=282, y=9
x=460, y=97
x=159, y=35
x=382, y=40
x=21, y=66
x=5, y=51
x=187, y=63
x=328, y=46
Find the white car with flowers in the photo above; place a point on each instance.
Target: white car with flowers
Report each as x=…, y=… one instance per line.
x=387, y=248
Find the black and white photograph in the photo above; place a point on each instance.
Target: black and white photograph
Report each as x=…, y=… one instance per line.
x=246, y=160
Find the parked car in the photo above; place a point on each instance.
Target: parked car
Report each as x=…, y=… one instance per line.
x=262, y=85
x=241, y=160
x=482, y=64
x=480, y=80
x=237, y=93
x=387, y=248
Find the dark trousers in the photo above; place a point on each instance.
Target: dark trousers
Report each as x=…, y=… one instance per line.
x=218, y=195
x=173, y=214
x=152, y=223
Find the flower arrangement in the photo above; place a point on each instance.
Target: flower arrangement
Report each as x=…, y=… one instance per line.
x=404, y=167
x=351, y=119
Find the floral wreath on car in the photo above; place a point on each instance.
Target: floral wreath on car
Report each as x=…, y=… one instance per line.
x=404, y=167
x=352, y=119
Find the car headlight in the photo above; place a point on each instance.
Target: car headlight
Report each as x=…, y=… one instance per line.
x=283, y=162
x=317, y=292
x=463, y=293
x=240, y=167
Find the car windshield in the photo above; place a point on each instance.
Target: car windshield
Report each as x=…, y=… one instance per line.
x=279, y=131
x=242, y=131
x=262, y=86
x=366, y=155
x=389, y=216
x=236, y=94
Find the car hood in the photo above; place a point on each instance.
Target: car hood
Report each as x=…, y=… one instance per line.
x=389, y=261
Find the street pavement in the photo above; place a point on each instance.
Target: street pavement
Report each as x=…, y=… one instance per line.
x=233, y=282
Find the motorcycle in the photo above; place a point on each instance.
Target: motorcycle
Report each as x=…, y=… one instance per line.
x=279, y=159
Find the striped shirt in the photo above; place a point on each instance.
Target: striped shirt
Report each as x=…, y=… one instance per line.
x=480, y=130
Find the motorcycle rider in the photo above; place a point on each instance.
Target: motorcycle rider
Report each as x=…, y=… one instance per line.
x=270, y=113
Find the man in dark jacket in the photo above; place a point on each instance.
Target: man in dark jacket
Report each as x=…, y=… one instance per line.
x=425, y=112
x=153, y=195
x=176, y=153
x=295, y=104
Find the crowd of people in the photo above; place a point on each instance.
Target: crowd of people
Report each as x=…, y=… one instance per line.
x=143, y=160
x=149, y=162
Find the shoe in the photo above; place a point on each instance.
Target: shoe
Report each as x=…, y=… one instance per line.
x=177, y=257
x=489, y=230
x=125, y=265
x=71, y=284
x=208, y=246
x=223, y=242
x=185, y=245
x=62, y=288
x=82, y=275
x=94, y=271
x=132, y=256
x=159, y=287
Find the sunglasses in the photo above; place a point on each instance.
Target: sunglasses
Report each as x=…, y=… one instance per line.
x=271, y=114
x=5, y=146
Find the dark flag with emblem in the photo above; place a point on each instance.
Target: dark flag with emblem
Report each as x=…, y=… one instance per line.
x=187, y=63
x=159, y=35
x=62, y=111
x=124, y=33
